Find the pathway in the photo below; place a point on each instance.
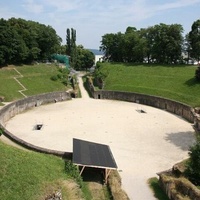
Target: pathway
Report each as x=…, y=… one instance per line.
x=16, y=79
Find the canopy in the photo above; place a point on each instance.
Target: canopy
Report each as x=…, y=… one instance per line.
x=90, y=154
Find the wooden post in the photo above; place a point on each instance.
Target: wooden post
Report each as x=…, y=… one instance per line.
x=107, y=172
x=83, y=167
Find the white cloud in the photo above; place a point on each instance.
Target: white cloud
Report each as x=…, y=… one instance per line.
x=174, y=5
x=33, y=7
x=93, y=19
x=6, y=13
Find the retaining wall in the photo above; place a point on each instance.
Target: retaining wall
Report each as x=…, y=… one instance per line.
x=174, y=107
x=177, y=108
x=22, y=105
x=178, y=188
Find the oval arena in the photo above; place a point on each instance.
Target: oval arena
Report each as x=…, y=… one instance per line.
x=144, y=140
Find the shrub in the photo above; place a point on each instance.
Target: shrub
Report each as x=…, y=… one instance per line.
x=65, y=82
x=73, y=172
x=54, y=78
x=59, y=76
x=193, y=165
x=63, y=70
x=197, y=73
x=98, y=65
x=1, y=131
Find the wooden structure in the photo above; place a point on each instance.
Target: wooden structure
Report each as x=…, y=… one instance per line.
x=94, y=155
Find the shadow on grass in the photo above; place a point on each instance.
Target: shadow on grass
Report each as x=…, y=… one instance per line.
x=183, y=140
x=157, y=190
x=150, y=64
x=192, y=82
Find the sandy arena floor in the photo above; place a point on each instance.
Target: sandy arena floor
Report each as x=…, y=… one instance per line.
x=142, y=143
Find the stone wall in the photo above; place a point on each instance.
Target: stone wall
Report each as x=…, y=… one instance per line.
x=90, y=85
x=22, y=105
x=178, y=188
x=177, y=108
x=196, y=113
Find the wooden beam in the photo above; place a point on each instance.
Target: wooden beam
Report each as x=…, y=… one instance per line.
x=83, y=167
x=107, y=172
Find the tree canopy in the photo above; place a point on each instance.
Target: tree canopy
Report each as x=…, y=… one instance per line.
x=24, y=41
x=161, y=43
x=80, y=58
x=194, y=40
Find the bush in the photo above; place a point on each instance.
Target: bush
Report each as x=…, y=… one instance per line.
x=1, y=131
x=54, y=78
x=59, y=76
x=73, y=172
x=65, y=82
x=193, y=165
x=63, y=70
x=197, y=73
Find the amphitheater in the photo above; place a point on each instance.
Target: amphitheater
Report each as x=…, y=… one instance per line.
x=143, y=143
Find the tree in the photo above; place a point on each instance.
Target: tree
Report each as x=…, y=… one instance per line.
x=148, y=36
x=71, y=46
x=85, y=58
x=186, y=49
x=194, y=39
x=133, y=45
x=193, y=165
x=68, y=42
x=167, y=40
x=111, y=45
x=161, y=44
x=197, y=73
x=48, y=41
x=12, y=46
x=25, y=41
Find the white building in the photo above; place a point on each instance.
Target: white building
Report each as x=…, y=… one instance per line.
x=98, y=55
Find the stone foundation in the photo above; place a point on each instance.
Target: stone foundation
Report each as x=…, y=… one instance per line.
x=178, y=188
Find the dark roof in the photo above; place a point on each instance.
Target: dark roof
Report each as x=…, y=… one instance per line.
x=92, y=154
x=96, y=52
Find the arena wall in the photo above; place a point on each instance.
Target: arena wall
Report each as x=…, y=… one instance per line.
x=171, y=106
x=22, y=105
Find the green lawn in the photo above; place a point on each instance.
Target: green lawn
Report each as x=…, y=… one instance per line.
x=173, y=82
x=37, y=80
x=158, y=192
x=27, y=174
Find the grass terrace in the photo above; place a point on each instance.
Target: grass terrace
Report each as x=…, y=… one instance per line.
x=30, y=175
x=35, y=78
x=175, y=82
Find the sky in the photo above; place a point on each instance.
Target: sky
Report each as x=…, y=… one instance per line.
x=94, y=18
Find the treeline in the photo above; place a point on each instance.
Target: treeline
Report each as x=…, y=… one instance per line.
x=80, y=58
x=24, y=41
x=163, y=44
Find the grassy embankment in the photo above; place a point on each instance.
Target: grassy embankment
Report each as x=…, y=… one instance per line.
x=33, y=175
x=173, y=82
x=30, y=175
x=36, y=79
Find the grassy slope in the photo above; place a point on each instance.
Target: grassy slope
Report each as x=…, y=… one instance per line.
x=26, y=174
x=35, y=78
x=8, y=87
x=176, y=83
